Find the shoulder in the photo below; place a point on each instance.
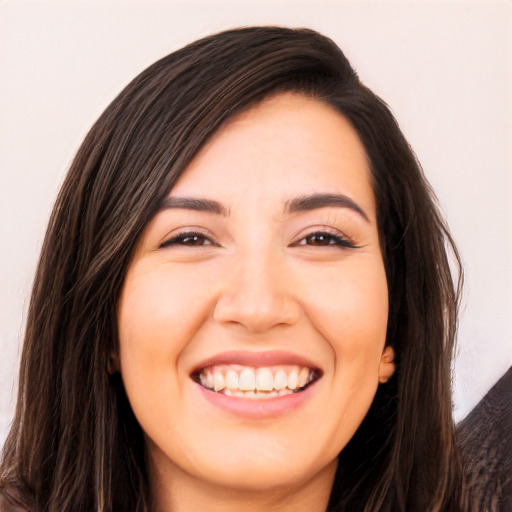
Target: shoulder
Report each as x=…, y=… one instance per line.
x=485, y=442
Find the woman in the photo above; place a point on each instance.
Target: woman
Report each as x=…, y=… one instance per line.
x=243, y=299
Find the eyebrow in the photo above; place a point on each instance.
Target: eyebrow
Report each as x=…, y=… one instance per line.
x=197, y=204
x=296, y=205
x=314, y=201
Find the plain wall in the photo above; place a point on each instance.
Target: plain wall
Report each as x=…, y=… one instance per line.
x=443, y=67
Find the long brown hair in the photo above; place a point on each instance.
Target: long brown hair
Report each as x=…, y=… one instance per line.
x=74, y=443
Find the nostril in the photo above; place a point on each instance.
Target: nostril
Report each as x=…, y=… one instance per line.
x=257, y=312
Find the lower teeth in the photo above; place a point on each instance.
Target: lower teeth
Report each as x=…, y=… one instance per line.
x=256, y=394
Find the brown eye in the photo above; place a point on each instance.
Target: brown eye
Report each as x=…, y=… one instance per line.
x=319, y=239
x=192, y=240
x=324, y=239
x=189, y=240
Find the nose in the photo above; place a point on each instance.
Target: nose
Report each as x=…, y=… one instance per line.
x=258, y=295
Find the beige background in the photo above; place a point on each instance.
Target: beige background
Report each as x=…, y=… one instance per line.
x=444, y=67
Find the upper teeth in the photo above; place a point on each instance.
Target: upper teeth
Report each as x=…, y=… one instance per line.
x=242, y=378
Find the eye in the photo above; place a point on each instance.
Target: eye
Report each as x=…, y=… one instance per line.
x=189, y=239
x=325, y=239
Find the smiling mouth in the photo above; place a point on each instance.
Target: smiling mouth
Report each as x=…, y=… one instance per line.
x=256, y=382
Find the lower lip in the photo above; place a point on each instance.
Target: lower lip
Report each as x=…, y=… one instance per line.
x=258, y=408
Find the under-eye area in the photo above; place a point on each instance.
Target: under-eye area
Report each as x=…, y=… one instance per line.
x=256, y=382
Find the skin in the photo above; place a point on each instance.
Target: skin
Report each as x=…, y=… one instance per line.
x=256, y=279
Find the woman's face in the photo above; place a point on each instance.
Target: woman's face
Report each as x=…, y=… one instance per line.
x=253, y=317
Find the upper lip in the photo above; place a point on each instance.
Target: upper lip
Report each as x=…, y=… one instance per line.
x=257, y=359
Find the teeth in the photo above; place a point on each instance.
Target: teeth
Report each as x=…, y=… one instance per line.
x=256, y=395
x=303, y=377
x=247, y=380
x=264, y=380
x=280, y=380
x=219, y=382
x=209, y=381
x=293, y=379
x=235, y=380
x=232, y=380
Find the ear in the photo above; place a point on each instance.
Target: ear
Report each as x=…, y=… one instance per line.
x=113, y=365
x=387, y=364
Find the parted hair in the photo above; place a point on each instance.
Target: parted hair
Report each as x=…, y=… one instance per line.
x=74, y=444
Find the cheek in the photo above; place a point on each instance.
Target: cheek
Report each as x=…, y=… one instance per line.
x=352, y=303
x=351, y=312
x=156, y=311
x=156, y=318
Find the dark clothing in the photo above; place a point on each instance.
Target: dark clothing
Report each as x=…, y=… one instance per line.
x=485, y=441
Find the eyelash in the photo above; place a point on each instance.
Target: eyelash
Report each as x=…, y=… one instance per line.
x=332, y=238
x=182, y=238
x=195, y=236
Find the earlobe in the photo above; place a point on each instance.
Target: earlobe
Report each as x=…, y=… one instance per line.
x=387, y=364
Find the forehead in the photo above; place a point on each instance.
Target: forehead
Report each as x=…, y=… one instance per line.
x=287, y=145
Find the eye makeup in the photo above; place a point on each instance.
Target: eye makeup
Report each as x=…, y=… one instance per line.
x=189, y=239
x=324, y=238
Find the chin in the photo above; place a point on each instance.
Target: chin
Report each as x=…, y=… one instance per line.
x=260, y=476
x=261, y=461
